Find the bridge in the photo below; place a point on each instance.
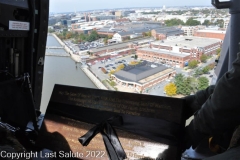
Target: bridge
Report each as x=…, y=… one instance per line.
x=53, y=47
x=57, y=54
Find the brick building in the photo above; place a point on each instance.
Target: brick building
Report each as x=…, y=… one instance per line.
x=142, y=76
x=177, y=51
x=210, y=34
x=163, y=33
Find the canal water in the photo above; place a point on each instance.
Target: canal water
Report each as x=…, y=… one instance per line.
x=61, y=70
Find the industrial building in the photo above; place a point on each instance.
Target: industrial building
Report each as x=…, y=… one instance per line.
x=177, y=51
x=142, y=76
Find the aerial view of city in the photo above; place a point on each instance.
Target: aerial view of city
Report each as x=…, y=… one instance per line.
x=120, y=80
x=162, y=50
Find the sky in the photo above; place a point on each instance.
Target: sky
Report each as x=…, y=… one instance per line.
x=83, y=5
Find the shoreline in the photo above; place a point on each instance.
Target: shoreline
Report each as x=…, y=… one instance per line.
x=84, y=68
x=75, y=57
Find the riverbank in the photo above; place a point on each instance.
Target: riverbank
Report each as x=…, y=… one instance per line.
x=84, y=68
x=75, y=57
x=93, y=78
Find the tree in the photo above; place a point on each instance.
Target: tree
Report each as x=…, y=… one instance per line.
x=220, y=23
x=120, y=67
x=110, y=36
x=149, y=34
x=179, y=82
x=198, y=72
x=189, y=86
x=206, y=22
x=193, y=84
x=203, y=83
x=75, y=35
x=203, y=58
x=206, y=69
x=82, y=37
x=92, y=37
x=174, y=22
x=192, y=22
x=68, y=35
x=134, y=63
x=136, y=56
x=105, y=40
x=170, y=89
x=192, y=64
x=218, y=51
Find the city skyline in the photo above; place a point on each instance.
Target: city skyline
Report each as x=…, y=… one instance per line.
x=58, y=6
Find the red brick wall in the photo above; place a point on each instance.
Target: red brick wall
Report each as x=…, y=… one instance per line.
x=210, y=35
x=148, y=55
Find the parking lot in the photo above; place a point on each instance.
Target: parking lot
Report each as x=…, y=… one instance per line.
x=108, y=65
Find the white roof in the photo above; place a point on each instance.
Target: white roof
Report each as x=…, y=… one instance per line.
x=212, y=31
x=187, y=41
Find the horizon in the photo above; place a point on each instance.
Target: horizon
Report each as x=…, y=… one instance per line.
x=65, y=6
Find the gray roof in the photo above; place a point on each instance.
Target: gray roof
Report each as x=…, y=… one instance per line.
x=139, y=72
x=176, y=32
x=119, y=45
x=106, y=30
x=168, y=30
x=125, y=33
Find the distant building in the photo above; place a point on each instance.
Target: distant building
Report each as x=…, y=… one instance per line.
x=177, y=51
x=122, y=36
x=164, y=32
x=102, y=17
x=142, y=76
x=121, y=20
x=226, y=22
x=190, y=30
x=210, y=34
x=119, y=14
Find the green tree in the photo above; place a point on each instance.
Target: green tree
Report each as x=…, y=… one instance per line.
x=93, y=36
x=105, y=40
x=197, y=72
x=136, y=56
x=206, y=22
x=203, y=83
x=170, y=89
x=206, y=69
x=203, y=58
x=82, y=37
x=174, y=22
x=189, y=86
x=192, y=22
x=179, y=82
x=193, y=84
x=220, y=23
x=192, y=64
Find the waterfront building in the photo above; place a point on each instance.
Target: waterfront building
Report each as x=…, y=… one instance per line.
x=143, y=76
x=177, y=51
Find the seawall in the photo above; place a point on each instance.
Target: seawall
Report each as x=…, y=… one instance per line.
x=84, y=68
x=73, y=56
x=96, y=81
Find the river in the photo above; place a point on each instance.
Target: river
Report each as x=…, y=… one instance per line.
x=61, y=70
